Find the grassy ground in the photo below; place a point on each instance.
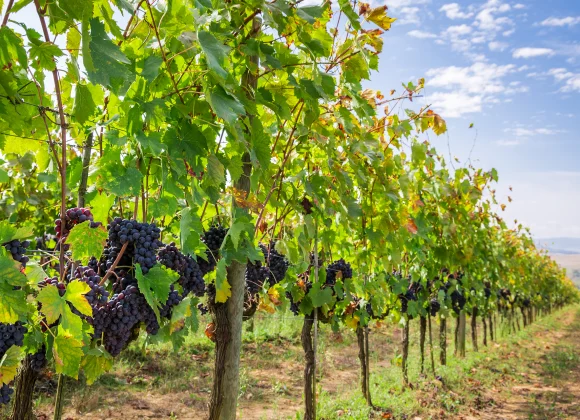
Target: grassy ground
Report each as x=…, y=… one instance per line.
x=528, y=375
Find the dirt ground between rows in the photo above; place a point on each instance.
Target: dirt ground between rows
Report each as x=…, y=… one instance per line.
x=276, y=391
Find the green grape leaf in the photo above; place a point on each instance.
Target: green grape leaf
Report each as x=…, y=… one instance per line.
x=223, y=288
x=215, y=52
x=100, y=206
x=260, y=144
x=45, y=54
x=86, y=242
x=77, y=9
x=179, y=314
x=240, y=226
x=53, y=305
x=12, y=304
x=151, y=67
x=9, y=364
x=155, y=285
x=215, y=171
x=75, y=292
x=10, y=272
x=225, y=106
x=320, y=297
x=350, y=13
x=190, y=228
x=310, y=13
x=71, y=323
x=34, y=272
x=67, y=352
x=96, y=362
x=84, y=106
x=11, y=48
x=109, y=62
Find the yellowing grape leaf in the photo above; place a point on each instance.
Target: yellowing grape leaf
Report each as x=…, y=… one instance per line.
x=378, y=16
x=222, y=287
x=67, y=352
x=96, y=362
x=9, y=364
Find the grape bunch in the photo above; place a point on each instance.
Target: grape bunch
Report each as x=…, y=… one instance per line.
x=98, y=294
x=10, y=335
x=340, y=266
x=173, y=300
x=256, y=275
x=142, y=239
x=434, y=306
x=5, y=393
x=38, y=360
x=73, y=217
x=277, y=263
x=190, y=274
x=487, y=292
x=458, y=301
x=18, y=249
x=213, y=238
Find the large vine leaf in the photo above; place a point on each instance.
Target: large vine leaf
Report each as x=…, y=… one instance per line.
x=155, y=285
x=86, y=241
x=67, y=352
x=9, y=364
x=95, y=362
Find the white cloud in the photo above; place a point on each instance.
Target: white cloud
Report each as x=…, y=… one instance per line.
x=529, y=52
x=571, y=80
x=566, y=21
x=408, y=16
x=464, y=90
x=531, y=132
x=480, y=77
x=397, y=4
x=519, y=6
x=453, y=11
x=458, y=30
x=487, y=20
x=455, y=104
x=497, y=46
x=421, y=34
x=509, y=142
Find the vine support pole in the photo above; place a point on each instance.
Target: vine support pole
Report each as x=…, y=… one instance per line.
x=229, y=316
x=474, y=328
x=431, y=344
x=460, y=339
x=484, y=330
x=405, y=344
x=422, y=334
x=442, y=341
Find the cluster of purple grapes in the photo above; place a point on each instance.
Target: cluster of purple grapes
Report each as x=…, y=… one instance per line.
x=191, y=276
x=18, y=249
x=332, y=273
x=213, y=238
x=98, y=294
x=142, y=239
x=73, y=217
x=340, y=266
x=38, y=360
x=10, y=335
x=5, y=394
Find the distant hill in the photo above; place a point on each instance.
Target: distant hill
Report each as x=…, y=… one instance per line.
x=571, y=262
x=560, y=245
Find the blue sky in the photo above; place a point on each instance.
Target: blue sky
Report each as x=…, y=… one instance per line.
x=513, y=69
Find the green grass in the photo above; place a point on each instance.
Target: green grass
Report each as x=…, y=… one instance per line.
x=272, y=363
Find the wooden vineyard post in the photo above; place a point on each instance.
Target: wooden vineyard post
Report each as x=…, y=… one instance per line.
x=422, y=334
x=474, y=328
x=461, y=324
x=431, y=345
x=405, y=344
x=443, y=341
